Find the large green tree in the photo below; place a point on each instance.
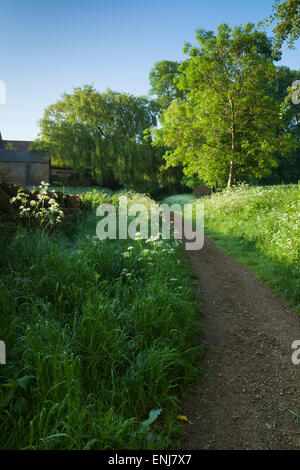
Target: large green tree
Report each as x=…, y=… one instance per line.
x=228, y=127
x=102, y=133
x=288, y=170
x=162, y=81
x=287, y=18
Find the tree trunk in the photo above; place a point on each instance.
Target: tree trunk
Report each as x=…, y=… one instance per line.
x=230, y=178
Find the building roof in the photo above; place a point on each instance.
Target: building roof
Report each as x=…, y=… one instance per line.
x=17, y=144
x=26, y=156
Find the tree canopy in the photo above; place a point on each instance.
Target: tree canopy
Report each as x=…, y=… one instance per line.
x=228, y=127
x=287, y=16
x=102, y=133
x=162, y=81
x=288, y=169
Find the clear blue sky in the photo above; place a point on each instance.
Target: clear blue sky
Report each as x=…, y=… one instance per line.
x=48, y=47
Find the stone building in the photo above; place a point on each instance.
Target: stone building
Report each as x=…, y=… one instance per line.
x=21, y=166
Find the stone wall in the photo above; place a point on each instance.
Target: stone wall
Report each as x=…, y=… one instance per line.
x=39, y=172
x=23, y=174
x=13, y=172
x=9, y=213
x=69, y=177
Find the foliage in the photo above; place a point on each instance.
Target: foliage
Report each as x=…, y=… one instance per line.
x=103, y=134
x=192, y=182
x=287, y=16
x=10, y=146
x=260, y=226
x=228, y=127
x=162, y=81
x=288, y=170
x=98, y=344
x=44, y=210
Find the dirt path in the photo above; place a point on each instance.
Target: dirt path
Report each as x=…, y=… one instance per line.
x=248, y=379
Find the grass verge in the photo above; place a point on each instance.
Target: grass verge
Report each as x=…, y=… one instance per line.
x=100, y=339
x=260, y=228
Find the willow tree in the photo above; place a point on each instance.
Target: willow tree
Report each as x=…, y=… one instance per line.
x=228, y=127
x=101, y=133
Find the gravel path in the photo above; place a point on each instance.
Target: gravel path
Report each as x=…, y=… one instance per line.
x=249, y=387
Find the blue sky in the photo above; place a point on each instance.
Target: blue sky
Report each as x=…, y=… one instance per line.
x=51, y=47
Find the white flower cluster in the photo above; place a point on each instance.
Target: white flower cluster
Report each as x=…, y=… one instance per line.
x=44, y=209
x=157, y=247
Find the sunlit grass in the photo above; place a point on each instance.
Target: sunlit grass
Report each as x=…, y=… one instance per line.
x=260, y=228
x=180, y=199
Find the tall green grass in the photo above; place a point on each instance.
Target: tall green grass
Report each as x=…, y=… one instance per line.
x=179, y=199
x=67, y=189
x=95, y=339
x=259, y=227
